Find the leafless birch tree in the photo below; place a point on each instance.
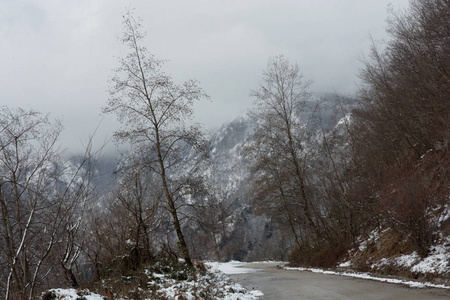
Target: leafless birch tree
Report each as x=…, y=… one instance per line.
x=154, y=111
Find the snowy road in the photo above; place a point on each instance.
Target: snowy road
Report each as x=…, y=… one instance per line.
x=289, y=284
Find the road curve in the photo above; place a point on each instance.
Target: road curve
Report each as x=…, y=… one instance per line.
x=280, y=284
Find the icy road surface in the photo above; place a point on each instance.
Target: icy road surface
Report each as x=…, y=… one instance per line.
x=304, y=285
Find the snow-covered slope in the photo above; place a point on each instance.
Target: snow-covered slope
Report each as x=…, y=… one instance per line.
x=229, y=166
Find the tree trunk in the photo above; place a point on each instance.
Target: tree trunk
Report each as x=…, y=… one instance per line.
x=70, y=277
x=173, y=210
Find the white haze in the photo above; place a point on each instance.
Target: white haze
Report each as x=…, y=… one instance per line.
x=56, y=56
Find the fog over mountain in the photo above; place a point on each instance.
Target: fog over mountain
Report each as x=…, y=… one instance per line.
x=60, y=54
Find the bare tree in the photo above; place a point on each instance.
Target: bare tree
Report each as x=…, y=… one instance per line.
x=278, y=152
x=76, y=196
x=27, y=142
x=154, y=110
x=402, y=136
x=39, y=202
x=139, y=195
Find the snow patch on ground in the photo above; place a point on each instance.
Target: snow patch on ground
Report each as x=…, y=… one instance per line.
x=226, y=289
x=407, y=260
x=445, y=215
x=257, y=293
x=279, y=262
x=72, y=294
x=373, y=237
x=232, y=267
x=345, y=264
x=214, y=280
x=436, y=262
x=371, y=277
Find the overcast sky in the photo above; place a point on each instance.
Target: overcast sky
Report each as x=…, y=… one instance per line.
x=56, y=56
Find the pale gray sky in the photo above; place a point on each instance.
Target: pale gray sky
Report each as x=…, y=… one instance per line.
x=56, y=56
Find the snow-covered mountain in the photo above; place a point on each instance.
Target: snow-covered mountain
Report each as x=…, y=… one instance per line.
x=229, y=166
x=249, y=236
